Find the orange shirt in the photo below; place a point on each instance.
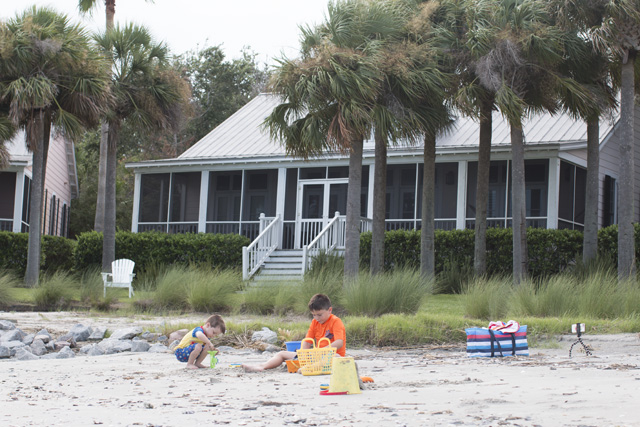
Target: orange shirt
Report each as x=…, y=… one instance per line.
x=333, y=329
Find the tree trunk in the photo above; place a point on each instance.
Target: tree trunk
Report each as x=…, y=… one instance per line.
x=626, y=198
x=518, y=203
x=109, y=233
x=482, y=189
x=98, y=224
x=427, y=246
x=379, y=204
x=352, y=237
x=590, y=243
x=110, y=11
x=36, y=144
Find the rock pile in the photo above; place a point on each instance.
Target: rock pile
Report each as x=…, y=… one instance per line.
x=18, y=345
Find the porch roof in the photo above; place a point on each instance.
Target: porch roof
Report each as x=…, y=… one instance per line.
x=241, y=138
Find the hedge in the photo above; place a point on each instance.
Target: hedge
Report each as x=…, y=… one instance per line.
x=56, y=253
x=216, y=250
x=549, y=250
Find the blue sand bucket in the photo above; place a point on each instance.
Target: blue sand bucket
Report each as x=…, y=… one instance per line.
x=292, y=345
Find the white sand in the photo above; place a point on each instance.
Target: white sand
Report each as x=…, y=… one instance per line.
x=414, y=387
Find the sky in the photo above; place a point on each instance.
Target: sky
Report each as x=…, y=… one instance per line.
x=268, y=27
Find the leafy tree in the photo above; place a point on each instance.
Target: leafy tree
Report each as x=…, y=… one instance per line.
x=219, y=87
x=612, y=26
x=52, y=77
x=147, y=92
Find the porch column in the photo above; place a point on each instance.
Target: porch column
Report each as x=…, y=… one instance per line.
x=280, y=196
x=17, y=202
x=137, y=194
x=552, y=194
x=461, y=211
x=372, y=173
x=204, y=197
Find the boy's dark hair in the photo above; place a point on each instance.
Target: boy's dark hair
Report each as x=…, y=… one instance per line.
x=319, y=302
x=215, y=320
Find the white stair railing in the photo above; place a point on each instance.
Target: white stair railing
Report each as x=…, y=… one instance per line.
x=331, y=237
x=254, y=255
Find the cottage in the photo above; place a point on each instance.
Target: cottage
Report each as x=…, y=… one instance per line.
x=60, y=187
x=235, y=174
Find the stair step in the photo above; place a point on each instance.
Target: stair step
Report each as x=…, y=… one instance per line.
x=273, y=279
x=281, y=272
x=273, y=258
x=282, y=265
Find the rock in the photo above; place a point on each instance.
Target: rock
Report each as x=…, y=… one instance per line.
x=271, y=348
x=12, y=335
x=265, y=335
x=80, y=332
x=24, y=354
x=150, y=336
x=111, y=346
x=7, y=325
x=43, y=336
x=140, y=346
x=173, y=345
x=4, y=352
x=162, y=338
x=95, y=350
x=98, y=333
x=126, y=333
x=38, y=348
x=28, y=339
x=225, y=348
x=13, y=346
x=59, y=345
x=159, y=348
x=65, y=353
x=51, y=346
x=177, y=335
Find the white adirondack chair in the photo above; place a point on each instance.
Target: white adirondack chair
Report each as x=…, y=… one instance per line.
x=121, y=275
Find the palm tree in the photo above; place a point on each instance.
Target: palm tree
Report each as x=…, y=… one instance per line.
x=87, y=6
x=329, y=94
x=52, y=77
x=612, y=26
x=521, y=50
x=147, y=92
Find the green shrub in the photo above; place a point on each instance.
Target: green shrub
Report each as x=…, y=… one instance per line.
x=454, y=277
x=259, y=299
x=55, y=291
x=326, y=280
x=201, y=249
x=13, y=252
x=285, y=299
x=7, y=283
x=487, y=298
x=56, y=253
x=211, y=291
x=172, y=288
x=400, y=291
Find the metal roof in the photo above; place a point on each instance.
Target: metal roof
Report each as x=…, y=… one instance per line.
x=242, y=136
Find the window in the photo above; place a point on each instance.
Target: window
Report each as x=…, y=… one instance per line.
x=260, y=194
x=26, y=204
x=185, y=196
x=154, y=197
x=224, y=196
x=571, y=196
x=401, y=190
x=7, y=194
x=609, y=216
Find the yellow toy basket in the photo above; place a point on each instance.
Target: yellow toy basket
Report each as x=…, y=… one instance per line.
x=316, y=360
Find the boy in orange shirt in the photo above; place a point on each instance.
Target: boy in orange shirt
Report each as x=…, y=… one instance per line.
x=323, y=325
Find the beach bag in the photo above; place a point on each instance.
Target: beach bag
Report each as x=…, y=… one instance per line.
x=316, y=360
x=484, y=342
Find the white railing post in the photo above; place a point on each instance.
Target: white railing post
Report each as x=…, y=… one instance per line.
x=254, y=255
x=245, y=263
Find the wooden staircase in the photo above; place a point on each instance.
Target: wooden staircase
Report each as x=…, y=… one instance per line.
x=280, y=266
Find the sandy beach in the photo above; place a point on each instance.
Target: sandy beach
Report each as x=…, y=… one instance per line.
x=426, y=386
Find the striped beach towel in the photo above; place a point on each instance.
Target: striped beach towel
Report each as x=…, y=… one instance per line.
x=483, y=342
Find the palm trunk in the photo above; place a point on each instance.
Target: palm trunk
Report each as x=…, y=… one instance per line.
x=352, y=232
x=427, y=240
x=482, y=189
x=590, y=244
x=626, y=247
x=518, y=203
x=110, y=11
x=36, y=144
x=109, y=234
x=98, y=224
x=379, y=204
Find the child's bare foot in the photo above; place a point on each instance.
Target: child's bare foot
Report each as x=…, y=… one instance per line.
x=251, y=368
x=191, y=366
x=200, y=365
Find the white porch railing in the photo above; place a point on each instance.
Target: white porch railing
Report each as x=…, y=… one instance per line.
x=254, y=255
x=331, y=237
